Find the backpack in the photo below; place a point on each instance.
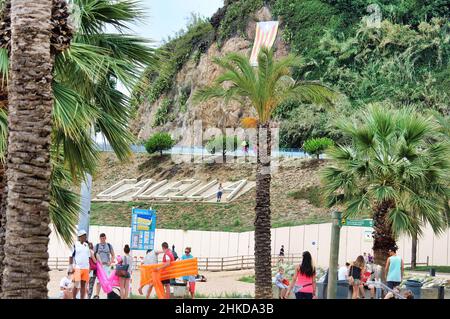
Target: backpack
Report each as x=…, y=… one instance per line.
x=92, y=265
x=97, y=245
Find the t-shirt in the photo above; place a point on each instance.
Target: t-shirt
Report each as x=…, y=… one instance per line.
x=82, y=254
x=279, y=277
x=189, y=278
x=104, y=252
x=168, y=256
x=150, y=258
x=365, y=276
x=395, y=269
x=65, y=283
x=355, y=272
x=343, y=273
x=128, y=260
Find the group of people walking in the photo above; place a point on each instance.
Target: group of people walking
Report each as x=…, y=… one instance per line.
x=83, y=267
x=168, y=256
x=82, y=275
x=360, y=275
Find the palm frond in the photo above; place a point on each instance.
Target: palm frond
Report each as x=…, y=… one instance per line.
x=95, y=14
x=266, y=87
x=64, y=204
x=312, y=92
x=4, y=65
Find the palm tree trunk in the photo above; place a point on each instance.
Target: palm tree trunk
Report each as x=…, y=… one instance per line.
x=3, y=190
x=263, y=262
x=414, y=252
x=2, y=221
x=29, y=168
x=383, y=236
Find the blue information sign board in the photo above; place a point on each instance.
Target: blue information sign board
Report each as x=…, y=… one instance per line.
x=143, y=226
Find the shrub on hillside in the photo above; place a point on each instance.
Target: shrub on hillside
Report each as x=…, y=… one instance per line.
x=316, y=146
x=159, y=142
x=162, y=115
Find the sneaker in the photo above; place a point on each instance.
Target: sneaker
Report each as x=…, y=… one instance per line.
x=96, y=297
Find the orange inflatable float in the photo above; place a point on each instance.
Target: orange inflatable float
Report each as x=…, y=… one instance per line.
x=179, y=268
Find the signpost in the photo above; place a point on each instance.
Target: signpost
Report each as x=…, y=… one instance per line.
x=336, y=225
x=143, y=226
x=356, y=222
x=334, y=255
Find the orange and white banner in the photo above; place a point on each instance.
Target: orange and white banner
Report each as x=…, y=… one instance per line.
x=266, y=32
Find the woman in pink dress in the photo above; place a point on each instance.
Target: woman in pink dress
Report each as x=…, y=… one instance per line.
x=304, y=280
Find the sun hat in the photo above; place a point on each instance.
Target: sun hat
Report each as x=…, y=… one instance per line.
x=81, y=233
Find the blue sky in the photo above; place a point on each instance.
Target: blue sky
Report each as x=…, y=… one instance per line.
x=165, y=17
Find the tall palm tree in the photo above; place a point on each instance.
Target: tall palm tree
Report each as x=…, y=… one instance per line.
x=29, y=124
x=98, y=58
x=394, y=170
x=85, y=94
x=265, y=88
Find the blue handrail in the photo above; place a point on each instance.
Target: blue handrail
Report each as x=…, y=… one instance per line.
x=198, y=150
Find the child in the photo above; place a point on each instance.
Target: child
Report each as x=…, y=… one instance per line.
x=65, y=286
x=281, y=283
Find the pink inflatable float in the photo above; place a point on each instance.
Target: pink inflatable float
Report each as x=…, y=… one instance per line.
x=107, y=283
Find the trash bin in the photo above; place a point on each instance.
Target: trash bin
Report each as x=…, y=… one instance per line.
x=441, y=292
x=322, y=284
x=415, y=286
x=433, y=272
x=342, y=291
x=321, y=290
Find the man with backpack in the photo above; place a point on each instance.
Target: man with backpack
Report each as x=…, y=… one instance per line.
x=105, y=253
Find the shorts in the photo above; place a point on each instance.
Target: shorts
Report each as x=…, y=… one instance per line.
x=393, y=284
x=165, y=282
x=303, y=295
x=107, y=269
x=281, y=285
x=356, y=282
x=81, y=275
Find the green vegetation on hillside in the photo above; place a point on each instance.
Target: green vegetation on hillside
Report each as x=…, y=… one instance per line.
x=404, y=61
x=313, y=194
x=159, y=142
x=237, y=216
x=186, y=44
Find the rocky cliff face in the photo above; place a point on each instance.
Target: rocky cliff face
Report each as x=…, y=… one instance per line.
x=192, y=76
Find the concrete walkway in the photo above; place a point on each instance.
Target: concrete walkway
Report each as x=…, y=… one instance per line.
x=217, y=284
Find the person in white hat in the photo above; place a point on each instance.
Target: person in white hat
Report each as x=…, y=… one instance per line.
x=80, y=263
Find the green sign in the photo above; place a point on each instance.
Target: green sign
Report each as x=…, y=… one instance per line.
x=356, y=222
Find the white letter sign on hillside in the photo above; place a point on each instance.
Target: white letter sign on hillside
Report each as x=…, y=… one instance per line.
x=266, y=33
x=182, y=190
